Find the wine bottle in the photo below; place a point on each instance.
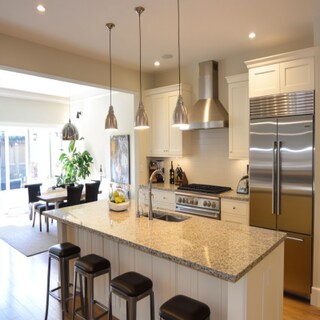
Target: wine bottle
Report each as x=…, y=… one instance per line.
x=171, y=172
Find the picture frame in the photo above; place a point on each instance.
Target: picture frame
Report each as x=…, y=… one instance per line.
x=120, y=159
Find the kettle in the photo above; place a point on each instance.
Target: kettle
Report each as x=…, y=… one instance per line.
x=243, y=185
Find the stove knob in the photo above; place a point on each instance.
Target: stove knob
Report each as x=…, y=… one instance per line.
x=179, y=199
x=191, y=201
x=205, y=203
x=196, y=202
x=209, y=204
x=183, y=200
x=214, y=204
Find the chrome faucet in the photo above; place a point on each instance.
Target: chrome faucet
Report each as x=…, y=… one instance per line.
x=158, y=171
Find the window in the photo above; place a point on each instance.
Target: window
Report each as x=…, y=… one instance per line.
x=28, y=155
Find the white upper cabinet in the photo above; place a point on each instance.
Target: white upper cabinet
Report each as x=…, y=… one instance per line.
x=164, y=140
x=238, y=97
x=289, y=72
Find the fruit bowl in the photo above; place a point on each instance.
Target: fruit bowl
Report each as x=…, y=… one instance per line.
x=122, y=206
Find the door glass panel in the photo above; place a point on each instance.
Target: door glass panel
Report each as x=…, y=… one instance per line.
x=17, y=160
x=2, y=162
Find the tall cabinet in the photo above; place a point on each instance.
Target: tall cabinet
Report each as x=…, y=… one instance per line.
x=165, y=140
x=238, y=97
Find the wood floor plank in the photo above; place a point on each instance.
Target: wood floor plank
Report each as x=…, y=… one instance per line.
x=23, y=290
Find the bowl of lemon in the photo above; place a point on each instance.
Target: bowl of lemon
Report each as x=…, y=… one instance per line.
x=118, y=201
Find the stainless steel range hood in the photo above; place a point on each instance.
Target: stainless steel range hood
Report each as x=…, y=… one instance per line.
x=208, y=112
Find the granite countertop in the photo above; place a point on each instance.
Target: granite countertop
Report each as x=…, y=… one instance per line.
x=225, y=250
x=232, y=195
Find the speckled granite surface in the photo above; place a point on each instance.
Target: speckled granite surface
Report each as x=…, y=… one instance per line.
x=225, y=250
x=227, y=195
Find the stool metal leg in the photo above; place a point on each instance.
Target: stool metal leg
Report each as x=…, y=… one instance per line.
x=90, y=298
x=152, y=305
x=48, y=288
x=74, y=294
x=132, y=310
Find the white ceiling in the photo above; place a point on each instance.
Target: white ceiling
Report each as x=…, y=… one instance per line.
x=210, y=29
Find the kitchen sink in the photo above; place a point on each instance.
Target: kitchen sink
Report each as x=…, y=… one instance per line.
x=169, y=216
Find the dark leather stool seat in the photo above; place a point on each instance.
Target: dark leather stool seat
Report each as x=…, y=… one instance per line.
x=132, y=287
x=63, y=253
x=89, y=267
x=181, y=307
x=132, y=283
x=65, y=249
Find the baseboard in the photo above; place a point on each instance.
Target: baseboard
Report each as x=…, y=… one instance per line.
x=315, y=297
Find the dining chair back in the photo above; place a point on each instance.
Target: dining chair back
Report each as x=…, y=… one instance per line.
x=92, y=190
x=33, y=193
x=74, y=194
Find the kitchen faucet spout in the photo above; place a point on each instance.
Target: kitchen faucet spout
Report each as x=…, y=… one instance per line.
x=158, y=171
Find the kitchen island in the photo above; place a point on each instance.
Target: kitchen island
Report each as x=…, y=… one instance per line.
x=237, y=270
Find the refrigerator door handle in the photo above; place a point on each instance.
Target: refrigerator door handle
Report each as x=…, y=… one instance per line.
x=279, y=144
x=295, y=239
x=274, y=187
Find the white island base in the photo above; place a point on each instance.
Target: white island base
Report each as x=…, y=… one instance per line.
x=258, y=295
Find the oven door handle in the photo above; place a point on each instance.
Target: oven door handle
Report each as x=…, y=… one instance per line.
x=215, y=214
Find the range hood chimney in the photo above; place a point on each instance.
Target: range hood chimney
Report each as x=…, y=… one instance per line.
x=208, y=112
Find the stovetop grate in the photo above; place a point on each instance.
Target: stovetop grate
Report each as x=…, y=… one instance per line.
x=204, y=188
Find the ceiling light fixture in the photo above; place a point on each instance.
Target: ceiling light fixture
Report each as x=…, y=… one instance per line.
x=180, y=115
x=252, y=35
x=41, y=8
x=70, y=131
x=157, y=63
x=111, y=120
x=141, y=121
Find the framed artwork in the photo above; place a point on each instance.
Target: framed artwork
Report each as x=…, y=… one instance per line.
x=120, y=159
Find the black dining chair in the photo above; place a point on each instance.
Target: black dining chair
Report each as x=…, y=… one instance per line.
x=92, y=190
x=33, y=193
x=39, y=209
x=73, y=196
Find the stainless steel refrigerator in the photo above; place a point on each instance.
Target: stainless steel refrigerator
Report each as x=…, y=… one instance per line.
x=281, y=178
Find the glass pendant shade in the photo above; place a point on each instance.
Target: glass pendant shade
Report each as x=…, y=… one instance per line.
x=111, y=120
x=70, y=132
x=141, y=118
x=180, y=116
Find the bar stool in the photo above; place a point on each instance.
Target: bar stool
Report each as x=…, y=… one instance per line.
x=63, y=253
x=89, y=267
x=132, y=287
x=184, y=308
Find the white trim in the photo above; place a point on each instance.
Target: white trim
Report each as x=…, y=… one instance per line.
x=166, y=89
x=303, y=53
x=12, y=93
x=315, y=297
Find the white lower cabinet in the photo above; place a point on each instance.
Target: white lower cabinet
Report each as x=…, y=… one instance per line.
x=235, y=211
x=161, y=199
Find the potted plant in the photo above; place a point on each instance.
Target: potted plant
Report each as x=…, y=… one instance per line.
x=75, y=165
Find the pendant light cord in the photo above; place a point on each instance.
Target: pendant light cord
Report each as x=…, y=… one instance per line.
x=178, y=5
x=110, y=26
x=139, y=12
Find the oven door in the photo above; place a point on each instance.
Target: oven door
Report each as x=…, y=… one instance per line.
x=213, y=214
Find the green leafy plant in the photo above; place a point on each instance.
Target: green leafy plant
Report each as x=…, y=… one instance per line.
x=75, y=165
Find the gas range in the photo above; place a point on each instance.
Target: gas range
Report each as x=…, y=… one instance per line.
x=200, y=199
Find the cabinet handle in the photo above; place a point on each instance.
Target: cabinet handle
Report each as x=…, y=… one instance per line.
x=295, y=239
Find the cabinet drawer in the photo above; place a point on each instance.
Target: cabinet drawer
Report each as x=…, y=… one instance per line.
x=234, y=206
x=163, y=196
x=236, y=218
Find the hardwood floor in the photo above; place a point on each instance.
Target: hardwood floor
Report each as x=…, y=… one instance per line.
x=23, y=290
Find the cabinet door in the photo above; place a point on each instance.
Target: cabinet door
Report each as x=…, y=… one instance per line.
x=264, y=80
x=159, y=124
x=297, y=75
x=238, y=120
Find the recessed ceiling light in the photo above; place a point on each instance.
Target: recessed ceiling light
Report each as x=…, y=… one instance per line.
x=41, y=8
x=252, y=35
x=156, y=63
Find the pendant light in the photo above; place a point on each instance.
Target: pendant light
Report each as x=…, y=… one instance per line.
x=111, y=120
x=180, y=115
x=141, y=121
x=70, y=131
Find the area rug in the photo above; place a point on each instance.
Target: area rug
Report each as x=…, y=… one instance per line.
x=17, y=231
